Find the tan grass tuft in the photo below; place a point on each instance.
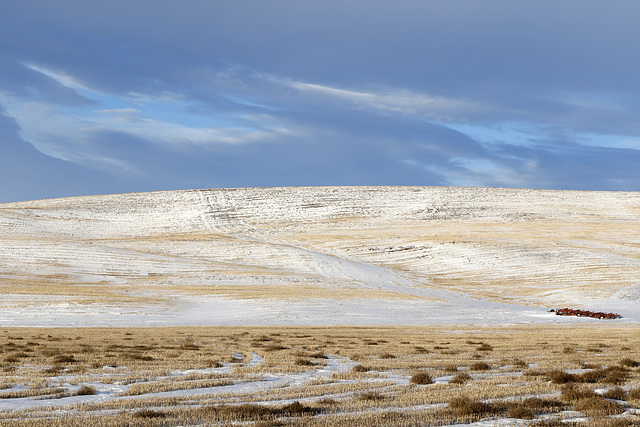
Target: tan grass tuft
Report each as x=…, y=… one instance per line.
x=615, y=393
x=629, y=363
x=421, y=378
x=460, y=378
x=598, y=406
x=573, y=393
x=480, y=366
x=562, y=377
x=464, y=405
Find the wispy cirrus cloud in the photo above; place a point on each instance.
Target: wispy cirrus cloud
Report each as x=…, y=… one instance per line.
x=398, y=101
x=164, y=118
x=134, y=122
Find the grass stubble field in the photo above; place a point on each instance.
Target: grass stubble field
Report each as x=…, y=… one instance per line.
x=320, y=376
x=320, y=306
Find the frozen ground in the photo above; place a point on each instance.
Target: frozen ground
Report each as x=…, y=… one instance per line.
x=321, y=255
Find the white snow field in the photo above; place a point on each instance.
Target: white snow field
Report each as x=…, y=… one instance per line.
x=320, y=256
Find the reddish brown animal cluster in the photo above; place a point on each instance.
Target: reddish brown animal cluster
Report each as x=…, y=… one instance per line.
x=585, y=313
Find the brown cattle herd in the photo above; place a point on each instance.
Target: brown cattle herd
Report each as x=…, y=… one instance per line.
x=585, y=313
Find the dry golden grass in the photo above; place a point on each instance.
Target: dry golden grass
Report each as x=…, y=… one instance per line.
x=286, y=291
x=408, y=375
x=73, y=292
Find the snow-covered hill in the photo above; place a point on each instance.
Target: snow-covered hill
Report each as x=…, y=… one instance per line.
x=319, y=255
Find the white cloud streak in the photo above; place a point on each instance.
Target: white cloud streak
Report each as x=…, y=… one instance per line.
x=41, y=118
x=59, y=76
x=132, y=121
x=398, y=101
x=70, y=133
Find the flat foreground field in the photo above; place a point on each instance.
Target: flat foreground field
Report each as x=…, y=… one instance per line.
x=324, y=376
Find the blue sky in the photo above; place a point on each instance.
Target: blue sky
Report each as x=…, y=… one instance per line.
x=121, y=96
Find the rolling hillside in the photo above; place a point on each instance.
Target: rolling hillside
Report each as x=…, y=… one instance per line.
x=319, y=255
